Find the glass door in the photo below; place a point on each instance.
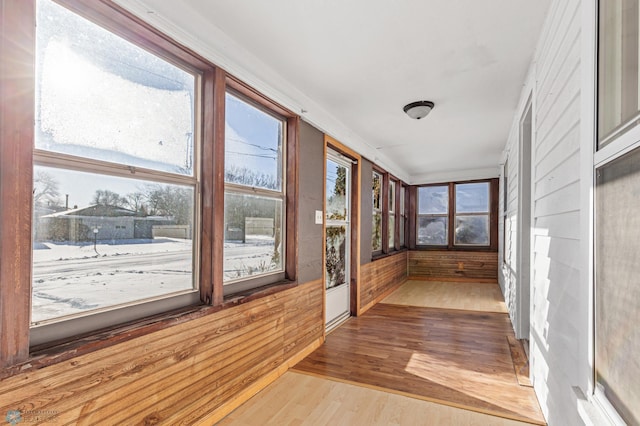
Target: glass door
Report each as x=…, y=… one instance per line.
x=338, y=238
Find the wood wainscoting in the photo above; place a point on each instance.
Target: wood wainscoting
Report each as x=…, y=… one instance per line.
x=454, y=265
x=194, y=372
x=380, y=278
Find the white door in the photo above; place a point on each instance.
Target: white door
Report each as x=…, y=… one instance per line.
x=338, y=238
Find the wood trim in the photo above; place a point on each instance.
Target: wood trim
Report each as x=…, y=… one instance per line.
x=292, y=192
x=255, y=96
x=219, y=101
x=356, y=191
x=494, y=213
x=208, y=204
x=385, y=213
x=413, y=217
x=17, y=117
x=121, y=22
x=248, y=393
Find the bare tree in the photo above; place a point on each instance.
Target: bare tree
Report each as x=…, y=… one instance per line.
x=106, y=197
x=45, y=188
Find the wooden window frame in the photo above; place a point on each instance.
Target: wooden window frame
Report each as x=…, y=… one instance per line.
x=17, y=115
x=288, y=192
x=380, y=250
x=451, y=217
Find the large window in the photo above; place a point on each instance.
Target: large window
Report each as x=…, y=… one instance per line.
x=472, y=214
x=254, y=213
x=617, y=224
x=456, y=215
x=433, y=216
x=115, y=176
x=376, y=238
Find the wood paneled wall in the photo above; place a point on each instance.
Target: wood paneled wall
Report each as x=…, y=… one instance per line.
x=381, y=277
x=454, y=265
x=185, y=374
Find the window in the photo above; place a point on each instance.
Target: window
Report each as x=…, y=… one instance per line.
x=254, y=214
x=457, y=215
x=392, y=214
x=617, y=176
x=115, y=175
x=377, y=213
x=618, y=71
x=403, y=216
x=472, y=214
x=433, y=215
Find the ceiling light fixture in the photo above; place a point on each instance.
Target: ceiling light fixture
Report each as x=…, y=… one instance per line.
x=418, y=109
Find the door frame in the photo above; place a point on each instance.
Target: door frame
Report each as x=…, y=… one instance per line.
x=354, y=261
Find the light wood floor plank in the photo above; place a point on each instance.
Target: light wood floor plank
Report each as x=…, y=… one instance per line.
x=472, y=296
x=300, y=399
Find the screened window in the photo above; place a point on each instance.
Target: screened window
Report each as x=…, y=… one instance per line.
x=433, y=215
x=254, y=214
x=377, y=212
x=617, y=171
x=618, y=71
x=115, y=181
x=617, y=310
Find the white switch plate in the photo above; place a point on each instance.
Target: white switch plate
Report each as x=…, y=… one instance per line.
x=318, y=217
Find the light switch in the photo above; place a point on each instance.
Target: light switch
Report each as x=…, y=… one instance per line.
x=318, y=217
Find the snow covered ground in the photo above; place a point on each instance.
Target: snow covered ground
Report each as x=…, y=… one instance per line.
x=73, y=278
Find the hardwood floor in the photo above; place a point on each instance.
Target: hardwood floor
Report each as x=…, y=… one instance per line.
x=450, y=295
x=441, y=354
x=454, y=357
x=300, y=399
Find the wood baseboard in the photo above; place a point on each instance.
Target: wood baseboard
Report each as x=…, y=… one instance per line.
x=249, y=392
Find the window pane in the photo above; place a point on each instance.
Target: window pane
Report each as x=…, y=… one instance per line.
x=336, y=261
x=392, y=231
x=377, y=191
x=433, y=200
x=337, y=176
x=377, y=231
x=432, y=230
x=253, y=146
x=101, y=241
x=472, y=230
x=402, y=227
x=253, y=236
x=101, y=97
x=392, y=196
x=618, y=65
x=617, y=298
x=472, y=198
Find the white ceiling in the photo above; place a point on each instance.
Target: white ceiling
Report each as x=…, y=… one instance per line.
x=352, y=65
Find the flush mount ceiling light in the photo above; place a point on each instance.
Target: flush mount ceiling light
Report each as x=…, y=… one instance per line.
x=418, y=109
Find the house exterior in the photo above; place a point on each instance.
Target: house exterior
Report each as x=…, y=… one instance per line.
x=543, y=253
